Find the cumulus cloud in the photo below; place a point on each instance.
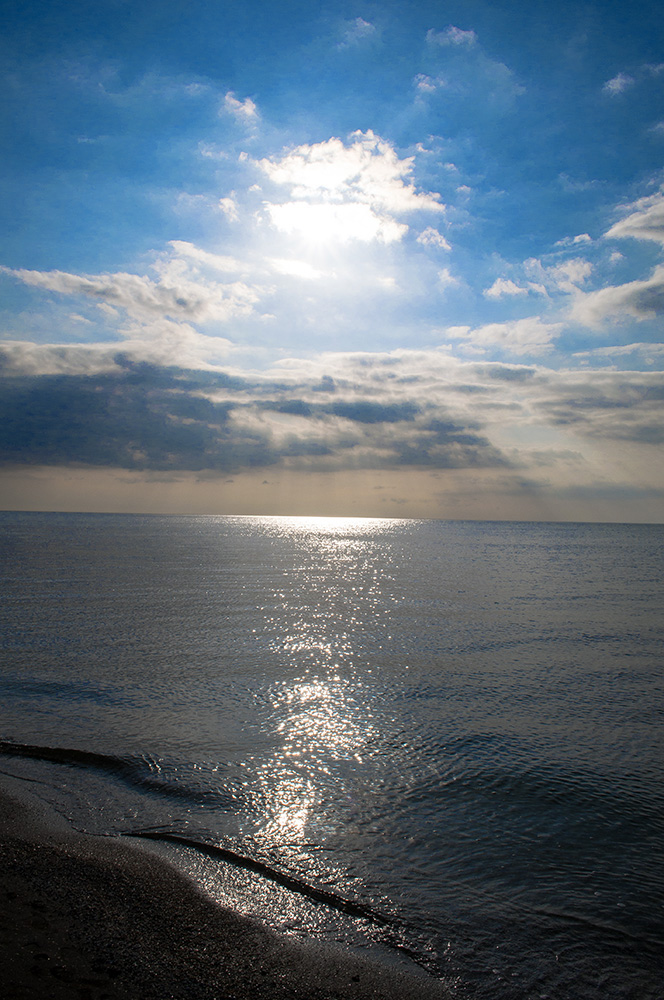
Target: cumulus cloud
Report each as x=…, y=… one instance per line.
x=428, y=85
x=520, y=336
x=571, y=241
x=430, y=237
x=618, y=84
x=645, y=221
x=639, y=300
x=357, y=31
x=367, y=170
x=217, y=262
x=244, y=110
x=504, y=286
x=566, y=277
x=571, y=274
x=452, y=36
x=229, y=207
x=176, y=294
x=356, y=189
x=445, y=279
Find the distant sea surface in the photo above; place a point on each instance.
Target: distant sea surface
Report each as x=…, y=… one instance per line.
x=455, y=726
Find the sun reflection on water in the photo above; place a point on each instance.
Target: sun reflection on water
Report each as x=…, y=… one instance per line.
x=322, y=732
x=318, y=526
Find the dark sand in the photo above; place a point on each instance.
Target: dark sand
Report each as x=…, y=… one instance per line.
x=92, y=918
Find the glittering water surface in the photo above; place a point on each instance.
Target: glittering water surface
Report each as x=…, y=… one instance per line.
x=456, y=724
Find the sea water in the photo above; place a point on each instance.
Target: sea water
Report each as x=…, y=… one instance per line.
x=454, y=726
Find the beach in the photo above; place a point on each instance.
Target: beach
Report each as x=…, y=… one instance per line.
x=96, y=918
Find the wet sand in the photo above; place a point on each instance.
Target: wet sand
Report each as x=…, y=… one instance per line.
x=93, y=918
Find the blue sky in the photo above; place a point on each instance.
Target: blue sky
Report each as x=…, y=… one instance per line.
x=397, y=259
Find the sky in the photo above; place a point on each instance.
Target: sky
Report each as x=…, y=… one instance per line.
x=373, y=259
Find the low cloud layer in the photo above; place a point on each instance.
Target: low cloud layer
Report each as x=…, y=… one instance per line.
x=407, y=409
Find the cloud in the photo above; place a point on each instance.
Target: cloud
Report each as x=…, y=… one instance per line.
x=569, y=275
x=357, y=31
x=229, y=207
x=427, y=84
x=430, y=237
x=607, y=405
x=618, y=84
x=566, y=277
x=403, y=411
x=644, y=352
x=452, y=36
x=177, y=294
x=502, y=287
x=445, y=279
x=645, y=221
x=521, y=336
x=367, y=170
x=214, y=261
x=467, y=72
x=345, y=191
x=640, y=300
x=244, y=110
x=571, y=241
x=152, y=417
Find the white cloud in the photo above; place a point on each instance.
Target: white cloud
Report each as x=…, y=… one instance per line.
x=346, y=191
x=180, y=293
x=452, y=36
x=430, y=237
x=521, y=336
x=646, y=221
x=217, y=262
x=368, y=170
x=229, y=207
x=640, y=300
x=649, y=352
x=445, y=279
x=565, y=277
x=427, y=84
x=618, y=84
x=504, y=286
x=357, y=31
x=572, y=241
x=570, y=274
x=244, y=110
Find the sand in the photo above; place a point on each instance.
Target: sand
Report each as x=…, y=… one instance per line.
x=96, y=918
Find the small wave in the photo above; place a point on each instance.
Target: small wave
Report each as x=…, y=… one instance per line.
x=137, y=771
x=289, y=881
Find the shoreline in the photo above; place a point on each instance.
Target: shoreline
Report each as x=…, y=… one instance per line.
x=96, y=918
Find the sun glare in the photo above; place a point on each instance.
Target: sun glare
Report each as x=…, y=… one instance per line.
x=325, y=222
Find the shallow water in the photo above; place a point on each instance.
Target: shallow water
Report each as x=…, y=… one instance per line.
x=455, y=724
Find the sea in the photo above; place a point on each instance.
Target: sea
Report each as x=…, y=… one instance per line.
x=437, y=742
